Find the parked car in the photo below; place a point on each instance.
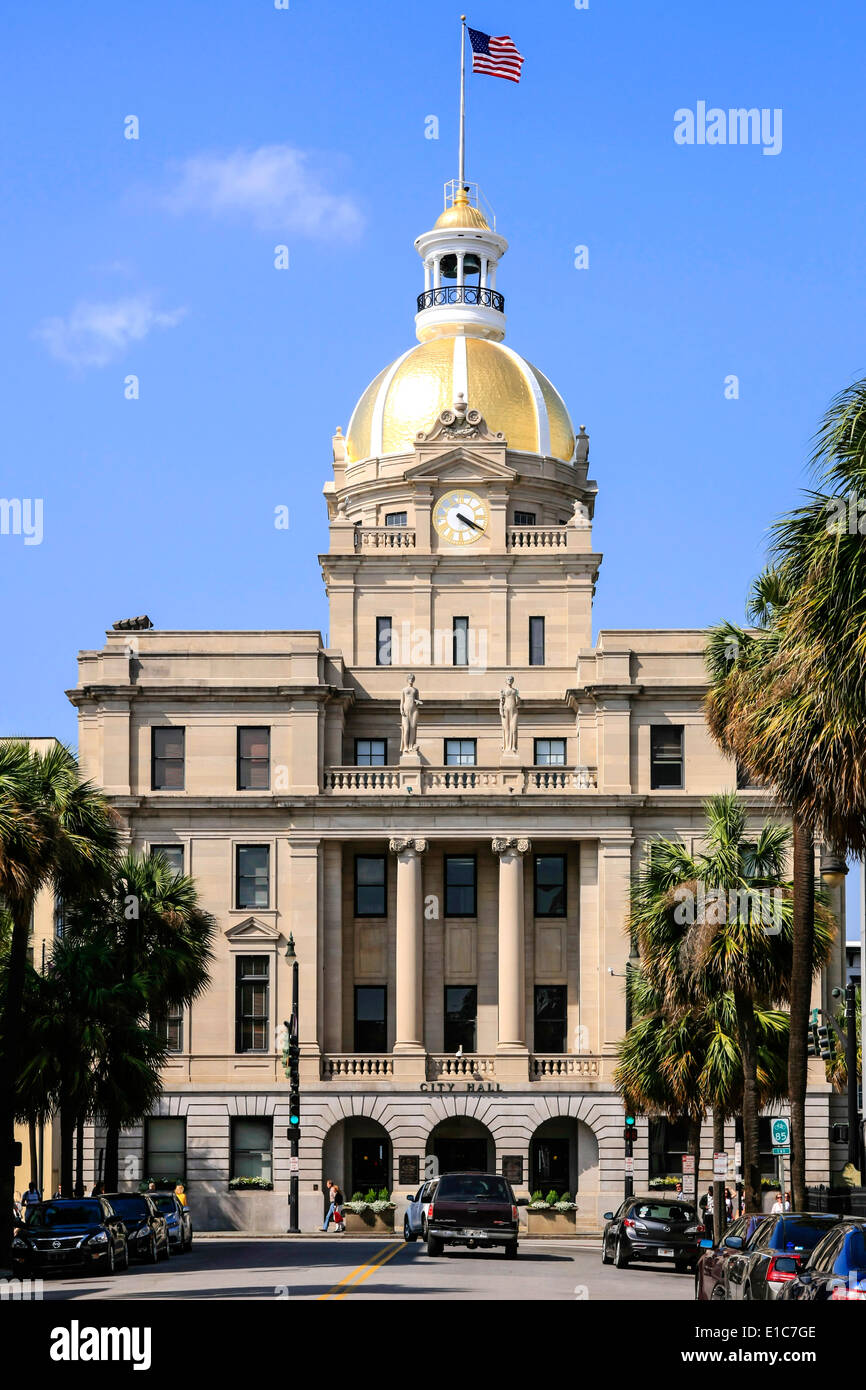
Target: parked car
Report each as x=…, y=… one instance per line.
x=835, y=1272
x=78, y=1233
x=772, y=1257
x=477, y=1210
x=652, y=1228
x=178, y=1218
x=710, y=1275
x=146, y=1228
x=415, y=1220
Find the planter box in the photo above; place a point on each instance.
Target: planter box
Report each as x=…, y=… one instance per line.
x=551, y=1223
x=369, y=1223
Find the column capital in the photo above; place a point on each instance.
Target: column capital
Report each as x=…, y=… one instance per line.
x=517, y=846
x=408, y=846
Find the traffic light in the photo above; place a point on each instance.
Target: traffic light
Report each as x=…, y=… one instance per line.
x=825, y=1047
x=812, y=1041
x=630, y=1131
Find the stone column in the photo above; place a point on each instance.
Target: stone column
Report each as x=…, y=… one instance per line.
x=512, y=960
x=409, y=1042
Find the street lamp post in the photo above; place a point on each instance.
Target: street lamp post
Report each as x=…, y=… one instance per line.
x=291, y=1061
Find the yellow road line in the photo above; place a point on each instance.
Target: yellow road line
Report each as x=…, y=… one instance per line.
x=370, y=1266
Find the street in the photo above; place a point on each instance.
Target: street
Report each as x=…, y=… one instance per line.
x=341, y=1268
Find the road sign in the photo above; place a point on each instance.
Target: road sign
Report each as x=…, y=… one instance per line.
x=690, y=1185
x=782, y=1152
x=629, y=1167
x=294, y=1164
x=688, y=1163
x=720, y=1165
x=781, y=1133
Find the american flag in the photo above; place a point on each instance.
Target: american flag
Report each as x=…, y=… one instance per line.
x=497, y=57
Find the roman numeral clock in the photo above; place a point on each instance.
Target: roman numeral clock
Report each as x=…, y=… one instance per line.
x=460, y=517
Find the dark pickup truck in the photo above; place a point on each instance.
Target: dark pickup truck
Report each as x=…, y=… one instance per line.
x=473, y=1209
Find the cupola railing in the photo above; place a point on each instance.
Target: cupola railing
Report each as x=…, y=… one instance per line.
x=478, y=296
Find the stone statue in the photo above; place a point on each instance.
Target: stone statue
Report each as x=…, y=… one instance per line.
x=581, y=518
x=410, y=703
x=509, y=704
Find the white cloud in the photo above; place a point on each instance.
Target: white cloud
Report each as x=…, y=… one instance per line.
x=93, y=335
x=274, y=186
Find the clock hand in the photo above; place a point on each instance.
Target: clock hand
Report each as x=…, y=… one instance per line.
x=468, y=520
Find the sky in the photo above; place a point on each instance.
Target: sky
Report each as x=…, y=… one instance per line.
x=166, y=387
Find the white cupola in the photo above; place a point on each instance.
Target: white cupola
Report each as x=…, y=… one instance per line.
x=461, y=254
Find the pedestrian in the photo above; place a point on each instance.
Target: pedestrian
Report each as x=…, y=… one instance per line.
x=30, y=1198
x=151, y=1186
x=787, y=1201
x=98, y=1189
x=59, y=1193
x=678, y=1192
x=729, y=1204
x=180, y=1194
x=778, y=1207
x=707, y=1205
x=336, y=1199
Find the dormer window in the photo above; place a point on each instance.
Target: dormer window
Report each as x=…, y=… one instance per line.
x=524, y=519
x=396, y=519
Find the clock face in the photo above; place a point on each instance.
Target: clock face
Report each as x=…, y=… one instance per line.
x=461, y=517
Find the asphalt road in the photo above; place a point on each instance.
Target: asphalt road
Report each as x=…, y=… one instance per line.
x=340, y=1268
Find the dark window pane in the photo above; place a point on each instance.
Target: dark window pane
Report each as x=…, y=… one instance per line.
x=165, y=1149
x=666, y=757
x=550, y=1018
x=460, y=752
x=550, y=885
x=371, y=752
x=396, y=518
x=253, y=875
x=524, y=518
x=254, y=759
x=383, y=642
x=461, y=642
x=536, y=641
x=167, y=759
x=252, y=1146
x=371, y=896
x=461, y=1010
x=371, y=1026
x=172, y=854
x=460, y=885
x=252, y=1003
x=550, y=752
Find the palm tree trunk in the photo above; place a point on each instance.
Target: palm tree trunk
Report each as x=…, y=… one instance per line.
x=112, y=1154
x=694, y=1143
x=747, y=1033
x=802, y=960
x=720, y=1220
x=79, y=1157
x=10, y=1064
x=34, y=1152
x=67, y=1146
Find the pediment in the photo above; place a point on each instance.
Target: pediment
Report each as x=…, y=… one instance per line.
x=253, y=930
x=460, y=464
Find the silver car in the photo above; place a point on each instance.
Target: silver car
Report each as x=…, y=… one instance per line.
x=178, y=1219
x=759, y=1271
x=415, y=1220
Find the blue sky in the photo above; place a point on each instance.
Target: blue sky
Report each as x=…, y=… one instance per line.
x=306, y=127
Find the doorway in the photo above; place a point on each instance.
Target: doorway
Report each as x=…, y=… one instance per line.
x=461, y=1155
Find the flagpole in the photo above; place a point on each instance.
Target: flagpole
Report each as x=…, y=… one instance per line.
x=462, y=162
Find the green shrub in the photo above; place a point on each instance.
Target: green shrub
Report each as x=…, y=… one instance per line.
x=536, y=1196
x=369, y=1196
x=357, y=1196
x=384, y=1195
x=551, y=1198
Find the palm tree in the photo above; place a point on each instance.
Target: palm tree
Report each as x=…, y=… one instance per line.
x=717, y=924
x=56, y=830
x=158, y=939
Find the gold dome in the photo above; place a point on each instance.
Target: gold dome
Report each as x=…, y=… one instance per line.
x=513, y=396
x=462, y=214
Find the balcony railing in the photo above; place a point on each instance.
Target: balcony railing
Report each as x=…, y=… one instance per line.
x=384, y=538
x=468, y=1067
x=563, y=1065
x=351, y=1065
x=538, y=538
x=459, y=781
x=476, y=296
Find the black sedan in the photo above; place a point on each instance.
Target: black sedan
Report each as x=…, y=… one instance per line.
x=835, y=1272
x=147, y=1228
x=652, y=1228
x=178, y=1219
x=84, y=1234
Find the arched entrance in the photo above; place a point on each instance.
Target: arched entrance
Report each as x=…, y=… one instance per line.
x=356, y=1154
x=461, y=1144
x=562, y=1152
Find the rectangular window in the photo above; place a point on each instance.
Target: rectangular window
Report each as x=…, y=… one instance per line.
x=383, y=642
x=172, y=854
x=550, y=1018
x=460, y=752
x=169, y=1029
x=460, y=885
x=252, y=1005
x=371, y=752
x=536, y=641
x=165, y=1149
x=550, y=752
x=524, y=518
x=371, y=1018
x=460, y=641
x=461, y=1013
x=252, y=1149
x=666, y=757
x=167, y=759
x=550, y=885
x=59, y=917
x=396, y=519
x=371, y=885
x=253, y=875
x=254, y=760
